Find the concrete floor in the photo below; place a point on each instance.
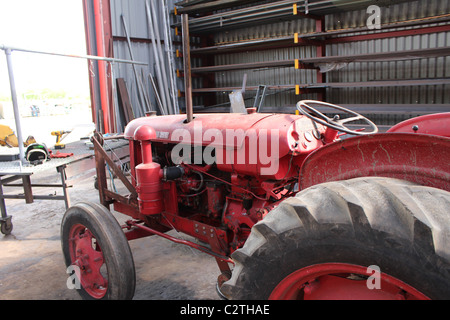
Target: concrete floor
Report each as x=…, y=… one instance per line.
x=32, y=267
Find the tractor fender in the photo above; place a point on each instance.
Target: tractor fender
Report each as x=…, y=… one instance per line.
x=435, y=124
x=418, y=158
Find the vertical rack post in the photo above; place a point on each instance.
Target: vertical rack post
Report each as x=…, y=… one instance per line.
x=321, y=52
x=187, y=68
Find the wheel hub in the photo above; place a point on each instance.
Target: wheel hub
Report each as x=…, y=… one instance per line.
x=336, y=281
x=88, y=257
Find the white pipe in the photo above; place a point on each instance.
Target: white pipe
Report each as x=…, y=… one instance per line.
x=88, y=57
x=15, y=106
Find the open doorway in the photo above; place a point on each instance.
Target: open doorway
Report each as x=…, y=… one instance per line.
x=52, y=92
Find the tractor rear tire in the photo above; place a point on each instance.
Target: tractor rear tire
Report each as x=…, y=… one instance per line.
x=96, y=249
x=329, y=240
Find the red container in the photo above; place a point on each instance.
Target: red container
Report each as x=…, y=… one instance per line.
x=149, y=188
x=148, y=175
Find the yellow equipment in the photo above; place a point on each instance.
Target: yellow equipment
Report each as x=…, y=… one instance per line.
x=59, y=136
x=9, y=139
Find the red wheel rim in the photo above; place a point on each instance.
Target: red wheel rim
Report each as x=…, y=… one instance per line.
x=336, y=281
x=86, y=255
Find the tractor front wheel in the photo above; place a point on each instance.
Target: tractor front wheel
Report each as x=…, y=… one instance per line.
x=97, y=251
x=362, y=239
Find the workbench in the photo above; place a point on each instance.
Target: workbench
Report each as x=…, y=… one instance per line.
x=80, y=165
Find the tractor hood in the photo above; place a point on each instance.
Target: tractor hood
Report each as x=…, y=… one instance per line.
x=205, y=128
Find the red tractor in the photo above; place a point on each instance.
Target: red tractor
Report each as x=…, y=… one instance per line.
x=287, y=207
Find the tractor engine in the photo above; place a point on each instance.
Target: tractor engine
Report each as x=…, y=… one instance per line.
x=225, y=171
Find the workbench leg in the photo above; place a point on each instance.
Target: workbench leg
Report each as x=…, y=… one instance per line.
x=27, y=189
x=5, y=220
x=65, y=187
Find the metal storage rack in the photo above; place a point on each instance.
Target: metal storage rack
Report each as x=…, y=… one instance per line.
x=210, y=17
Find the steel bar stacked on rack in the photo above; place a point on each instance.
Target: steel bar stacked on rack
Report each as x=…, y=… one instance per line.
x=309, y=62
x=164, y=108
x=265, y=12
x=246, y=15
x=243, y=66
x=170, y=55
x=143, y=99
x=198, y=7
x=309, y=86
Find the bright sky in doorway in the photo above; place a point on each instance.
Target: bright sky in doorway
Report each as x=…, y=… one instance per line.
x=44, y=25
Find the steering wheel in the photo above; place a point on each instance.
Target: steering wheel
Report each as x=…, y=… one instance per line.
x=335, y=123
